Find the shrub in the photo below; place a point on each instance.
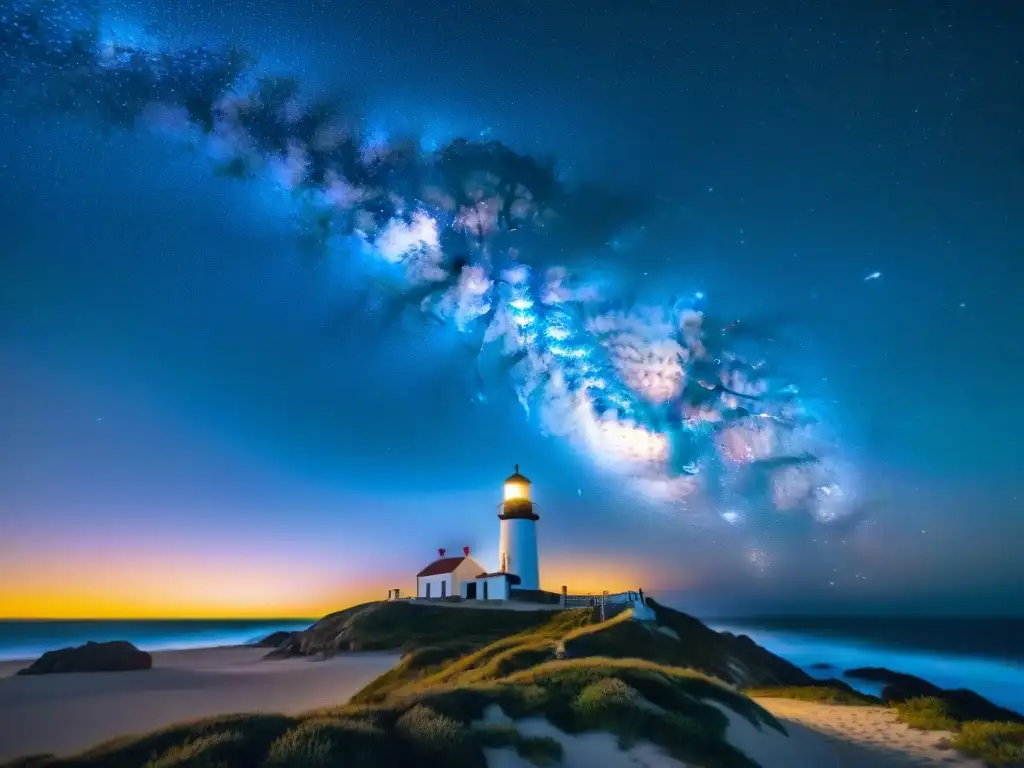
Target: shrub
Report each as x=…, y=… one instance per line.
x=818, y=694
x=927, y=714
x=994, y=743
x=328, y=741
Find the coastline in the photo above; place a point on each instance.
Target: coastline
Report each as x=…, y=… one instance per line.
x=22, y=639
x=66, y=713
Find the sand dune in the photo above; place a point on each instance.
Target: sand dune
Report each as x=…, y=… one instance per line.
x=818, y=736
x=66, y=713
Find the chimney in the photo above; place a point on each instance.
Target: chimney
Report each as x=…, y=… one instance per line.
x=465, y=551
x=441, y=552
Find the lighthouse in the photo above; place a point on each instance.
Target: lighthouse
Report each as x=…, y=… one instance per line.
x=517, y=552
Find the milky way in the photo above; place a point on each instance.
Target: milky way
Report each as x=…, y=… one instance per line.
x=687, y=407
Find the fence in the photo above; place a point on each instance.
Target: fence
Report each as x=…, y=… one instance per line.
x=609, y=603
x=575, y=601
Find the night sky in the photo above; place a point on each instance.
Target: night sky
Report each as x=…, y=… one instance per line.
x=201, y=417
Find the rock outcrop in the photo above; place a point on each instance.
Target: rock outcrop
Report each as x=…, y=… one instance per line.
x=673, y=638
x=113, y=656
x=734, y=658
x=274, y=639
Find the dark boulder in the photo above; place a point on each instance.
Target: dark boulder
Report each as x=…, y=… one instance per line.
x=888, y=677
x=114, y=656
x=963, y=704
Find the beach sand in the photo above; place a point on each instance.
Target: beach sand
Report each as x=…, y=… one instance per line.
x=69, y=712
x=843, y=737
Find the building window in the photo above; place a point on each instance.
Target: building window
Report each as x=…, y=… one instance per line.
x=444, y=589
x=485, y=590
x=428, y=591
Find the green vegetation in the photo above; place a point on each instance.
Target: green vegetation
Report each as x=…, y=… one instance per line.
x=533, y=639
x=927, y=714
x=438, y=707
x=446, y=633
x=995, y=743
x=819, y=694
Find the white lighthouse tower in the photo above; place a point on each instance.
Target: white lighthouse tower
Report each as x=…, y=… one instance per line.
x=518, y=548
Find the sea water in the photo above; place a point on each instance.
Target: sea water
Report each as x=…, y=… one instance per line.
x=29, y=639
x=984, y=655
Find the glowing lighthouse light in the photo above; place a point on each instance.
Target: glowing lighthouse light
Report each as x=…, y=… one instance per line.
x=516, y=488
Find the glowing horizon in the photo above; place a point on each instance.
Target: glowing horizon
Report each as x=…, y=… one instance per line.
x=165, y=594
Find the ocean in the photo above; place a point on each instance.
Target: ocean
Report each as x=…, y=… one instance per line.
x=28, y=639
x=985, y=655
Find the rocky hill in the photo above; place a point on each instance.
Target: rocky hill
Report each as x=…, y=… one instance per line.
x=434, y=634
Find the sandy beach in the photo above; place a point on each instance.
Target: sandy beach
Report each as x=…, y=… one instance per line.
x=66, y=713
x=826, y=736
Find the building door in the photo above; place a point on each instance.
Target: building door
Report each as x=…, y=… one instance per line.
x=471, y=591
x=428, y=590
x=485, y=590
x=444, y=588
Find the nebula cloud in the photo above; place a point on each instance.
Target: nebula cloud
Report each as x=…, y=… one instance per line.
x=679, y=403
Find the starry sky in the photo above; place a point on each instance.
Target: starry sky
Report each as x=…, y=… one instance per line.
x=199, y=419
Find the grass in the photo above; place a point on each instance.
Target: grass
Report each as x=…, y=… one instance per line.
x=994, y=743
x=405, y=627
x=818, y=694
x=431, y=711
x=635, y=700
x=927, y=714
x=480, y=658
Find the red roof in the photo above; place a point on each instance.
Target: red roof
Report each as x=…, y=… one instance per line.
x=444, y=565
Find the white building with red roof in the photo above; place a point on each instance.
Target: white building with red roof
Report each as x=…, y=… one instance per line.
x=444, y=577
